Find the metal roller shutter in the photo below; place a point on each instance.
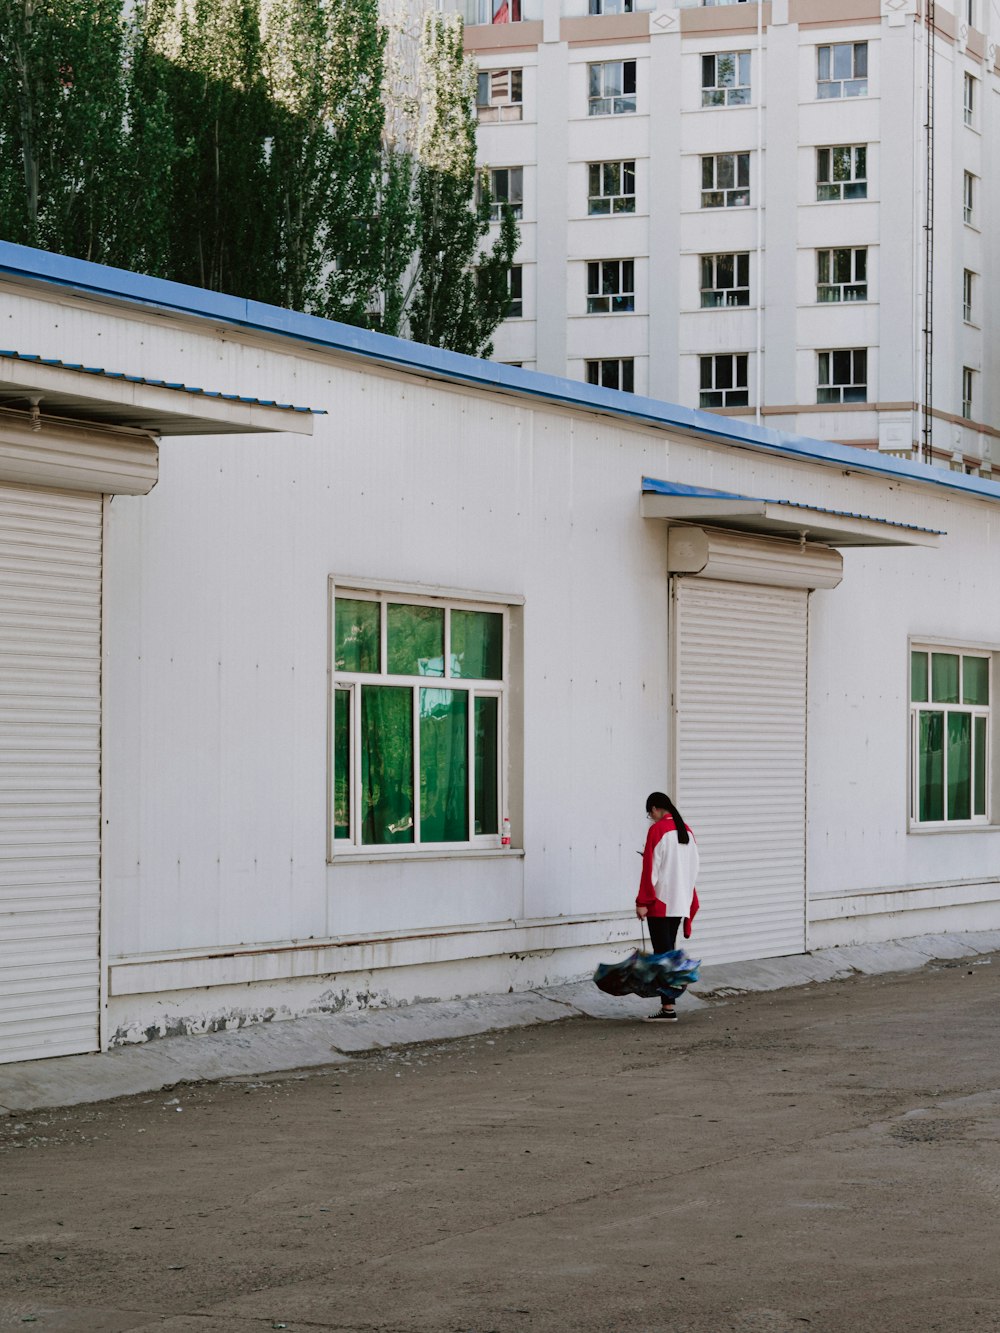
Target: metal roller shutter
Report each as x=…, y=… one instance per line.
x=740, y=737
x=50, y=715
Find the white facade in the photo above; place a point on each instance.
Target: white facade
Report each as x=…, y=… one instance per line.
x=783, y=124
x=756, y=665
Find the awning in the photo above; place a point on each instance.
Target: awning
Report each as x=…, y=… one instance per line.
x=91, y=395
x=777, y=518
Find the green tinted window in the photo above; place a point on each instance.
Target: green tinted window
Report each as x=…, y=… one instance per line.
x=341, y=763
x=979, y=771
x=386, y=764
x=486, y=751
x=918, y=677
x=356, y=635
x=416, y=640
x=444, y=766
x=959, y=765
x=975, y=680
x=930, y=767
x=477, y=645
x=944, y=678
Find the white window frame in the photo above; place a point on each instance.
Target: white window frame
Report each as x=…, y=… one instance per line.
x=620, y=201
x=968, y=198
x=719, y=167
x=721, y=87
x=968, y=389
x=828, y=289
x=931, y=706
x=617, y=369
x=968, y=288
x=830, y=188
x=504, y=100
x=353, y=682
x=843, y=387
x=737, y=388
x=728, y=293
x=605, y=103
x=611, y=7
x=515, y=192
x=601, y=301
x=851, y=84
x=969, y=100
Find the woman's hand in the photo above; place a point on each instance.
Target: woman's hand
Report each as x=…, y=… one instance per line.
x=641, y=911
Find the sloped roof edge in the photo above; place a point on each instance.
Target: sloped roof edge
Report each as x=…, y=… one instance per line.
x=103, y=282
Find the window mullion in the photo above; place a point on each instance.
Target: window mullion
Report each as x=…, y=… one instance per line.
x=355, y=766
x=470, y=760
x=416, y=765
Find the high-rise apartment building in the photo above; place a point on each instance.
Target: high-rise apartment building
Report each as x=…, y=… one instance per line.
x=747, y=207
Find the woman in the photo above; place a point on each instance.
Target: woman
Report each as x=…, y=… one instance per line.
x=666, y=894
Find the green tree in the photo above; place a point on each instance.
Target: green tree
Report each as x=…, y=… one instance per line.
x=245, y=146
x=324, y=66
x=208, y=65
x=460, y=286
x=62, y=124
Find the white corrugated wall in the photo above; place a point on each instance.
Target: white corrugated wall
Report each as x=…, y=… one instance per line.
x=740, y=708
x=50, y=775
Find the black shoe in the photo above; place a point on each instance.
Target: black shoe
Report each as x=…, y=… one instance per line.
x=662, y=1016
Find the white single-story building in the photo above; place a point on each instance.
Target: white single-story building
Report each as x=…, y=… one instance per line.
x=283, y=657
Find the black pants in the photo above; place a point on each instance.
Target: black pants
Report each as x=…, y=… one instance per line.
x=663, y=937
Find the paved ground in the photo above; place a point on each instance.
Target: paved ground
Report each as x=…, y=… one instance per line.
x=823, y=1159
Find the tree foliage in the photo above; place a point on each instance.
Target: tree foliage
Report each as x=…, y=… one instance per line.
x=244, y=146
x=68, y=147
x=461, y=290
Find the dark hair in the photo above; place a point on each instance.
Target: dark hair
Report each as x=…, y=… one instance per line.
x=662, y=801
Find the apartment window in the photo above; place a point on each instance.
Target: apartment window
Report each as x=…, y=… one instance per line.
x=419, y=688
x=494, y=11
x=499, y=94
x=614, y=374
x=967, y=279
x=723, y=380
x=725, y=79
x=969, y=100
x=842, y=70
x=506, y=186
x=515, y=286
x=725, y=180
x=612, y=88
x=949, y=736
x=725, y=280
x=968, y=196
x=610, y=286
x=611, y=6
x=611, y=188
x=970, y=13
x=842, y=376
x=842, y=172
x=842, y=275
x=967, y=382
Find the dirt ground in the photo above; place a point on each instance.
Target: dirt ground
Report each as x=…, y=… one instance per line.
x=817, y=1161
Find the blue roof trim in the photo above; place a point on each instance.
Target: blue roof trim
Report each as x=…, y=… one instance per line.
x=651, y=486
x=33, y=359
x=23, y=262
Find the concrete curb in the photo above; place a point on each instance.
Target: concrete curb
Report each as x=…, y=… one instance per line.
x=326, y=1039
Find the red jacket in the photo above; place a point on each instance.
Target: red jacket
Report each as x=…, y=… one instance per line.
x=647, y=896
